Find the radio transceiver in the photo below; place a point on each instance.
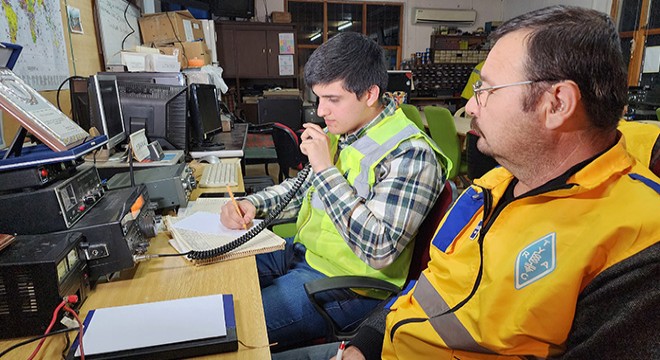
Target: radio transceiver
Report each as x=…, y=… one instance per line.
x=52, y=208
x=116, y=230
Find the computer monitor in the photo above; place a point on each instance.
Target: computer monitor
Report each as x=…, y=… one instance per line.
x=400, y=80
x=162, y=110
x=105, y=109
x=204, y=116
x=287, y=111
x=79, y=96
x=9, y=54
x=172, y=78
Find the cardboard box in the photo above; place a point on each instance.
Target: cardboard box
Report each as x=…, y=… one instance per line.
x=134, y=61
x=188, y=50
x=162, y=63
x=281, y=17
x=170, y=27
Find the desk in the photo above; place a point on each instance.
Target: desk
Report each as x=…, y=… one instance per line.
x=233, y=140
x=173, y=278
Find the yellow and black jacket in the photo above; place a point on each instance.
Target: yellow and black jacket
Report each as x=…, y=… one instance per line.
x=507, y=280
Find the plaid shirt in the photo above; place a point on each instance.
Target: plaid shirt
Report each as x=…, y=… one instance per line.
x=378, y=228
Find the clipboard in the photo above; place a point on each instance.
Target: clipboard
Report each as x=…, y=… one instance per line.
x=191, y=342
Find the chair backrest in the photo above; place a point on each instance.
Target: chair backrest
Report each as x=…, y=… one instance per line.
x=287, y=147
x=478, y=163
x=287, y=111
x=443, y=131
x=421, y=255
x=413, y=114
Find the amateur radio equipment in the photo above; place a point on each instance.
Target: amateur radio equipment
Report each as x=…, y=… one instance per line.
x=116, y=230
x=36, y=272
x=51, y=208
x=36, y=176
x=168, y=186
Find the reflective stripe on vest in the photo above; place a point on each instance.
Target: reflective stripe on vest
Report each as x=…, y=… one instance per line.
x=372, y=152
x=357, y=162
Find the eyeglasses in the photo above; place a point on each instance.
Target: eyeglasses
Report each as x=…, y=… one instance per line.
x=481, y=94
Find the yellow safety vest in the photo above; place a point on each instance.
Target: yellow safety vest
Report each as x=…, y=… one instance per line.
x=539, y=252
x=327, y=251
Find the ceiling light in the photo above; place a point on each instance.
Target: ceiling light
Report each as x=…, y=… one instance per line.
x=315, y=36
x=345, y=25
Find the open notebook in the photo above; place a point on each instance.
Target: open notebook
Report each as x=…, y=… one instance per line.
x=211, y=234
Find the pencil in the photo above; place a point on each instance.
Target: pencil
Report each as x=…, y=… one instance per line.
x=238, y=209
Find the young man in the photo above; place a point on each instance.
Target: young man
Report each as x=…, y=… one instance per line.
x=374, y=178
x=555, y=254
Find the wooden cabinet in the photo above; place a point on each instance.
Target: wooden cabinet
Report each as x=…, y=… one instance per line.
x=252, y=50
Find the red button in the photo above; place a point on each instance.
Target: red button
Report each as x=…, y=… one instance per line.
x=44, y=173
x=81, y=208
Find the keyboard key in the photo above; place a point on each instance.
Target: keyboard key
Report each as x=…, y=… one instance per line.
x=219, y=174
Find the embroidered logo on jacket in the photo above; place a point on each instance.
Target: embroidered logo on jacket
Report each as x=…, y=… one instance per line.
x=536, y=261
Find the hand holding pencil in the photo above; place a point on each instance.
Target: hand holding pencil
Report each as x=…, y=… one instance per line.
x=237, y=214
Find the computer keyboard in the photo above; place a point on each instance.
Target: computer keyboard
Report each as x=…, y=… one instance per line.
x=219, y=174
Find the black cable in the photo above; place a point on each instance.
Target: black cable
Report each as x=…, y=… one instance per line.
x=25, y=342
x=129, y=25
x=208, y=254
x=57, y=96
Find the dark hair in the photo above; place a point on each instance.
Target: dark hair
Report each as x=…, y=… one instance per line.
x=578, y=44
x=351, y=57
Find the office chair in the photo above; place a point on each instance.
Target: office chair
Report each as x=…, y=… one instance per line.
x=477, y=162
x=413, y=114
x=418, y=263
x=443, y=131
x=287, y=147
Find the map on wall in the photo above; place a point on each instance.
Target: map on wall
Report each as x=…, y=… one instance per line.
x=36, y=25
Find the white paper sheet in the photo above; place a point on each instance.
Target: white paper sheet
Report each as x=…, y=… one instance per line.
x=152, y=324
x=206, y=222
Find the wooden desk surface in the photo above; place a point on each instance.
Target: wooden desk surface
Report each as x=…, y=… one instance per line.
x=173, y=278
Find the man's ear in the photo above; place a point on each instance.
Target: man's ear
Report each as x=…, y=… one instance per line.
x=373, y=95
x=563, y=99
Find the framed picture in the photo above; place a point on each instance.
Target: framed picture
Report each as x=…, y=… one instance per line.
x=75, y=24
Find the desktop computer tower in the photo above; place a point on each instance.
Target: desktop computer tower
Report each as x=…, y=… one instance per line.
x=287, y=111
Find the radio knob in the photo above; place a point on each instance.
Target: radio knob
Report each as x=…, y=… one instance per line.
x=89, y=200
x=147, y=226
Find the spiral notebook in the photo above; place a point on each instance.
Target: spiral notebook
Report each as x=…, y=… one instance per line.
x=211, y=234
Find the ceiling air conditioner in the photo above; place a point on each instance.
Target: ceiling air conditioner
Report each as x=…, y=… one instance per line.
x=444, y=16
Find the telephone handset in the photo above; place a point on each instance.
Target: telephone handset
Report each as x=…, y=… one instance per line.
x=207, y=254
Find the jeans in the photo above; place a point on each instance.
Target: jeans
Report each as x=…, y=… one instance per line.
x=291, y=319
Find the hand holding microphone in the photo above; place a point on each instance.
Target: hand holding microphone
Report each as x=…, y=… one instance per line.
x=316, y=145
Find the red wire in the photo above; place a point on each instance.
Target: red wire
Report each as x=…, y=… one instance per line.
x=80, y=333
x=52, y=322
